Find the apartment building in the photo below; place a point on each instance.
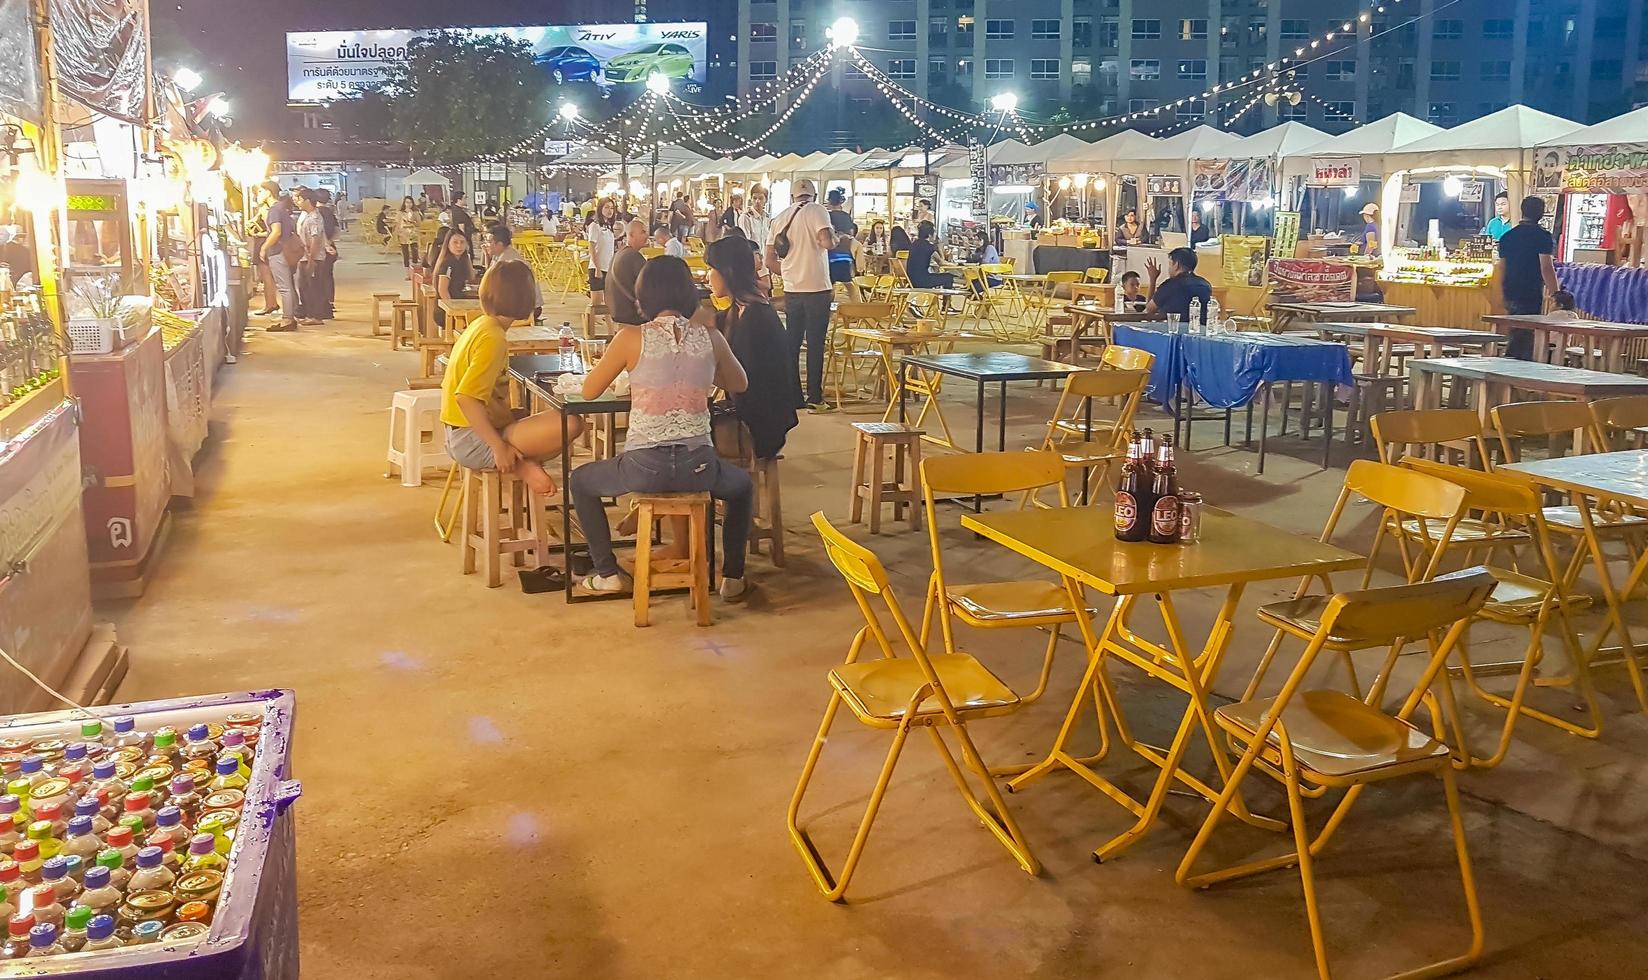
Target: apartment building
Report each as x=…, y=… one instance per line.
x=1444, y=60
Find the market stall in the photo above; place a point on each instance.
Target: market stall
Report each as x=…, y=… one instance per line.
x=1156, y=184
x=1329, y=182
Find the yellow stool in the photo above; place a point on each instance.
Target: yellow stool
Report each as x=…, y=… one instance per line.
x=691, y=572
x=403, y=325
x=869, y=472
x=378, y=318
x=499, y=515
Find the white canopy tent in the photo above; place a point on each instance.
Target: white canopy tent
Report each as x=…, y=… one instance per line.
x=418, y=181
x=1170, y=157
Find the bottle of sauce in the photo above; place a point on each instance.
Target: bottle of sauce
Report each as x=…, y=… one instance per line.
x=101, y=896
x=74, y=928
x=17, y=937
x=100, y=934
x=1133, y=497
x=1164, y=514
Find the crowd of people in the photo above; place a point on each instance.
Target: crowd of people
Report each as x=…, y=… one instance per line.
x=294, y=241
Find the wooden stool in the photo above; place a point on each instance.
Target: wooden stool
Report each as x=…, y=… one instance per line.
x=767, y=509
x=869, y=452
x=499, y=515
x=403, y=325
x=692, y=572
x=378, y=318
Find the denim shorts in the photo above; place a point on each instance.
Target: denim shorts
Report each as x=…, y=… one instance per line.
x=468, y=449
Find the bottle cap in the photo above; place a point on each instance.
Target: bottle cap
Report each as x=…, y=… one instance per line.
x=49, y=812
x=233, y=737
x=162, y=840
x=168, y=816
x=33, y=764
x=103, y=769
x=19, y=788
x=75, y=752
x=101, y=926
x=80, y=826
x=55, y=867
x=109, y=858
x=41, y=895
x=202, y=844
x=9, y=871
x=134, y=823
x=74, y=772
x=228, y=765
x=165, y=738
x=42, y=935
x=194, y=912
x=182, y=784
x=26, y=851
x=98, y=876
x=147, y=932
x=87, y=808
x=149, y=857
x=75, y=864
x=138, y=801
x=40, y=830
x=197, y=733
x=91, y=729
x=124, y=724
x=78, y=917
x=142, y=784
x=119, y=837
x=20, y=924
x=10, y=804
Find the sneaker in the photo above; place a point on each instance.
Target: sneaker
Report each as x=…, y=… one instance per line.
x=735, y=589
x=820, y=407
x=605, y=584
x=311, y=322
x=282, y=327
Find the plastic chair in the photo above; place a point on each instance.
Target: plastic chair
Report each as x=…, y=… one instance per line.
x=651, y=251
x=1328, y=740
x=1404, y=495
x=992, y=605
x=1087, y=444
x=1096, y=274
x=1518, y=599
x=897, y=693
x=1432, y=431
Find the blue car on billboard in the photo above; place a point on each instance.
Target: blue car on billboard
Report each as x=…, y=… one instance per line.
x=569, y=63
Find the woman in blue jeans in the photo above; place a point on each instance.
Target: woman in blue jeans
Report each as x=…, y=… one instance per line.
x=673, y=364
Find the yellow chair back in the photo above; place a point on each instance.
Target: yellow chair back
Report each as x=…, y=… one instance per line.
x=990, y=473
x=1499, y=492
x=1520, y=420
x=1064, y=278
x=856, y=563
x=1096, y=274
x=1454, y=428
x=651, y=251
x=1115, y=383
x=1615, y=418
x=1405, y=489
x=1375, y=617
x=1127, y=358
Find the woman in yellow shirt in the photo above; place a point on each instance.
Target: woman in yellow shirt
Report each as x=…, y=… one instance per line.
x=481, y=431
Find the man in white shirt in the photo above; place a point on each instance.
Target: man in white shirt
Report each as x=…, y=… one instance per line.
x=500, y=244
x=671, y=245
x=804, y=236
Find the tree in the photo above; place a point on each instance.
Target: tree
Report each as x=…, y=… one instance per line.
x=458, y=96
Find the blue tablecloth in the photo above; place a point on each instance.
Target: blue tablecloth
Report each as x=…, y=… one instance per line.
x=1228, y=370
x=1607, y=292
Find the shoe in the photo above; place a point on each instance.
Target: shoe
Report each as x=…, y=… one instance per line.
x=605, y=584
x=284, y=326
x=271, y=311
x=735, y=589
x=820, y=407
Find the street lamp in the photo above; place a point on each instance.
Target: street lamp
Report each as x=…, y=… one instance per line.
x=1004, y=103
x=569, y=112
x=187, y=79
x=658, y=83
x=843, y=33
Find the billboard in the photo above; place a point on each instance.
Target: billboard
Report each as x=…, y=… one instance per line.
x=326, y=65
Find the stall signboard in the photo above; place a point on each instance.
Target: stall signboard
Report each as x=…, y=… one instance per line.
x=1311, y=281
x=1617, y=167
x=1471, y=192
x=927, y=188
x=20, y=84
x=1335, y=172
x=978, y=203
x=326, y=65
x=1232, y=180
x=557, y=148
x=1015, y=173
x=1410, y=194
x=1285, y=229
x=1164, y=186
x=1244, y=259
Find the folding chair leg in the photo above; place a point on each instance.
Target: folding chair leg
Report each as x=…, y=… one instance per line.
x=995, y=817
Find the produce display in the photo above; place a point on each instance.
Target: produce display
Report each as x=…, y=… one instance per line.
x=174, y=329
x=119, y=836
x=1466, y=265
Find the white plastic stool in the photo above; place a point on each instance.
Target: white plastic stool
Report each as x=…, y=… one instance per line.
x=415, y=435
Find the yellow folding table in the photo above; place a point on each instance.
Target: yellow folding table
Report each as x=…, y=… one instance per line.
x=1080, y=545
x=886, y=343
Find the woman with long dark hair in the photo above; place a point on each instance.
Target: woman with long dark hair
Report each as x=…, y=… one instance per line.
x=923, y=252
x=602, y=234
x=453, y=271
x=748, y=321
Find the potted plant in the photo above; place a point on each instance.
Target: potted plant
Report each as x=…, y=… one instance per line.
x=98, y=315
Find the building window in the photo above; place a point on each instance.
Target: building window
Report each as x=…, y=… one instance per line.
x=998, y=68
x=901, y=30
x=1499, y=29
x=937, y=67
x=1044, y=68
x=1444, y=71
x=964, y=29
x=798, y=35
x=1045, y=30
x=938, y=31
x=1448, y=29
x=1496, y=71
x=763, y=32
x=1146, y=30
x=1443, y=113
x=1293, y=113
x=1081, y=70
x=1295, y=30
x=1256, y=29
x=1141, y=105
x=761, y=71
x=1193, y=30
x=1081, y=33
x=1193, y=109
x=1607, y=70
x=1144, y=69
x=1194, y=68
x=964, y=68
x=1339, y=71
x=1110, y=33
x=998, y=30
x=901, y=68
x=1338, y=111
x=1610, y=27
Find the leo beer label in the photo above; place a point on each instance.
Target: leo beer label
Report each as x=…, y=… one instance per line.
x=1164, y=519
x=1127, y=512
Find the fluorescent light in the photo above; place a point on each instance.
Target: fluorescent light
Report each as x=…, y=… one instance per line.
x=1014, y=189
x=187, y=79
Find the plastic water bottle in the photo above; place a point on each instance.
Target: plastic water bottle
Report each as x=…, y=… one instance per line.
x=74, y=929
x=46, y=908
x=1121, y=298
x=1214, y=314
x=100, y=896
x=43, y=941
x=100, y=934
x=568, y=345
x=1194, y=316
x=151, y=873
x=126, y=733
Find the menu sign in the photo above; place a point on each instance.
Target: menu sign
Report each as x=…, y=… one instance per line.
x=1335, y=172
x=1286, y=232
x=976, y=170
x=1164, y=186
x=1311, y=281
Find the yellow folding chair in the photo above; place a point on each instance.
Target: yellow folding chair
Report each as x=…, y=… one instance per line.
x=1086, y=444
x=1429, y=432
x=1328, y=740
x=896, y=693
x=1096, y=274
x=1406, y=497
x=1519, y=599
x=1619, y=423
x=1127, y=359
x=843, y=357
x=651, y=251
x=992, y=605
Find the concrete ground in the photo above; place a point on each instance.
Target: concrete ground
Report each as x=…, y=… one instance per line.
x=497, y=784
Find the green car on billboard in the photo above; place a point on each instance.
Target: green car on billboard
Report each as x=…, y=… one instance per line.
x=669, y=60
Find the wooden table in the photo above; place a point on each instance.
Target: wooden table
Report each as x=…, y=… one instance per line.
x=1080, y=545
x=1603, y=344
x=1379, y=341
x=887, y=343
x=535, y=339
x=1492, y=381
x=458, y=314
x=998, y=367
x=1103, y=293
x=1619, y=478
x=1284, y=314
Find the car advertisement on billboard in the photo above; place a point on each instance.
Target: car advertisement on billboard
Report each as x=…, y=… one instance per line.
x=326, y=65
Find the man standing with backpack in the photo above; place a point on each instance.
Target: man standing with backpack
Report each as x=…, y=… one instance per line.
x=799, y=251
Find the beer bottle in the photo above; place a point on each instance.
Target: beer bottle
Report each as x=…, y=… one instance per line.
x=1164, y=509
x=1147, y=454
x=1133, y=496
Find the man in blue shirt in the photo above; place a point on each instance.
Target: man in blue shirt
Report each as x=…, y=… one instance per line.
x=1183, y=285
x=1501, y=222
x=1526, y=272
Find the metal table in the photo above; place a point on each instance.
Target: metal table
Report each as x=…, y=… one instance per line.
x=983, y=369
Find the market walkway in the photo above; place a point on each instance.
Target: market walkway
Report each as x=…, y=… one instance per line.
x=497, y=785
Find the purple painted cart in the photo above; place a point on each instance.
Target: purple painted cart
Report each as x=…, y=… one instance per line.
x=254, y=934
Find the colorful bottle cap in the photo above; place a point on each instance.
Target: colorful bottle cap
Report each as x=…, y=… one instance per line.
x=202, y=844
x=147, y=932
x=55, y=867
x=33, y=764
x=124, y=724
x=150, y=857
x=103, y=769
x=142, y=784
x=91, y=730
x=120, y=837
x=42, y=895
x=165, y=738
x=20, y=924
x=75, y=864
x=78, y=917
x=51, y=811
x=134, y=823
x=194, y=912
x=42, y=935
x=75, y=752
x=40, y=830
x=98, y=876
x=228, y=765
x=109, y=859
x=162, y=840
x=168, y=816
x=138, y=801
x=233, y=738
x=75, y=773
x=101, y=926
x=197, y=733
x=80, y=826
x=19, y=788
x=10, y=871
x=26, y=851
x=9, y=804
x=87, y=807
x=182, y=784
